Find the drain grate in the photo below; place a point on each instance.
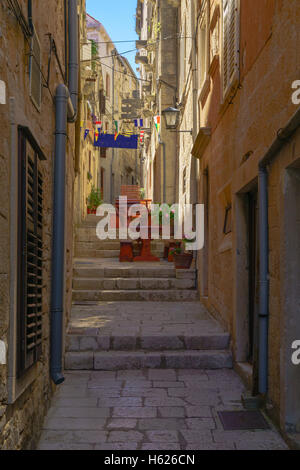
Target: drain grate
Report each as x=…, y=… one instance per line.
x=242, y=420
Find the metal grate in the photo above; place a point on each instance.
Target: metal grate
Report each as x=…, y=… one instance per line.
x=242, y=420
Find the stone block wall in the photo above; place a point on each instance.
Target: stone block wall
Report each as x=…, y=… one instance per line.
x=21, y=418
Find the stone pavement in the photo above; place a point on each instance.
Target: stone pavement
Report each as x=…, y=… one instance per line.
x=149, y=409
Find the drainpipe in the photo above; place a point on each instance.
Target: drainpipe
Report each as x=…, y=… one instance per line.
x=66, y=103
x=29, y=9
x=163, y=144
x=195, y=161
x=282, y=138
x=263, y=281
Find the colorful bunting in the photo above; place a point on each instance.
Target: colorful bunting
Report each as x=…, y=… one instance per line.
x=157, y=123
x=86, y=133
x=110, y=141
x=117, y=129
x=139, y=123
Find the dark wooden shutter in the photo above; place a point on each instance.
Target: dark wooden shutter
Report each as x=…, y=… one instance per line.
x=30, y=278
x=230, y=43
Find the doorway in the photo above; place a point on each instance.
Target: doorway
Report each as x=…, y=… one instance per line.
x=246, y=287
x=253, y=263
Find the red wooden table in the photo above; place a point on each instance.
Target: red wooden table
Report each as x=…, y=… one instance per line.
x=146, y=254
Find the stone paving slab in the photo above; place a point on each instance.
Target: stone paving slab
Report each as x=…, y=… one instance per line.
x=137, y=409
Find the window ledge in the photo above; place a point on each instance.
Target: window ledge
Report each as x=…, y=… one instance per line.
x=205, y=89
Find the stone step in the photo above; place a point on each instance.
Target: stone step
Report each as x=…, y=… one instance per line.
x=107, y=253
x=124, y=360
x=97, y=244
x=133, y=271
x=134, y=295
x=132, y=284
x=148, y=342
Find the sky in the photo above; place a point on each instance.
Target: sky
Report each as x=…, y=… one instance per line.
x=118, y=18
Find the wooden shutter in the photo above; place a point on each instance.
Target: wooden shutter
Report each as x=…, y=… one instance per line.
x=30, y=277
x=230, y=43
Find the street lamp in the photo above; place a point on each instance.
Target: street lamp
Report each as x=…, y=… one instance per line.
x=171, y=116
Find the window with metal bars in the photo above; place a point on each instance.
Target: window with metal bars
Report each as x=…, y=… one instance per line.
x=30, y=261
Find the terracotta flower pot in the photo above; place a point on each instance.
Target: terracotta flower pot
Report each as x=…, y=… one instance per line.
x=183, y=260
x=92, y=211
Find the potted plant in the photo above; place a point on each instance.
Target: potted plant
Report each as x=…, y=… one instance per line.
x=142, y=193
x=94, y=200
x=182, y=258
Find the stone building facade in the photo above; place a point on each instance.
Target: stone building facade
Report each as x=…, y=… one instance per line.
x=246, y=277
x=157, y=58
x=89, y=171
x=117, y=166
x=238, y=148
x=31, y=68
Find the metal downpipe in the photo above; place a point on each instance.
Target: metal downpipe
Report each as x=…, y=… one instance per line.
x=73, y=63
x=58, y=253
x=263, y=282
x=66, y=103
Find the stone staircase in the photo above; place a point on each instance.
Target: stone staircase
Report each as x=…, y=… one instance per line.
x=113, y=281
x=137, y=315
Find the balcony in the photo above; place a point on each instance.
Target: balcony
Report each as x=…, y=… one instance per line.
x=141, y=59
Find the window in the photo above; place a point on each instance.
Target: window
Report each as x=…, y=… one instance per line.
x=230, y=44
x=107, y=85
x=228, y=220
x=101, y=102
x=102, y=179
x=30, y=262
x=203, y=43
x=35, y=82
x=182, y=56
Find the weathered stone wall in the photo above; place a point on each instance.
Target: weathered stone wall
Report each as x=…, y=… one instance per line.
x=20, y=422
x=242, y=131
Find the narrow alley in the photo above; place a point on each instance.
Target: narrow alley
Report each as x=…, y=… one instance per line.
x=147, y=367
x=150, y=230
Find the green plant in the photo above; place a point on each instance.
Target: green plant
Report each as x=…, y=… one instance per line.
x=160, y=213
x=95, y=198
x=89, y=176
x=177, y=251
x=142, y=193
